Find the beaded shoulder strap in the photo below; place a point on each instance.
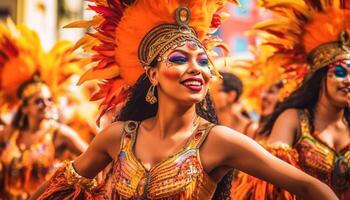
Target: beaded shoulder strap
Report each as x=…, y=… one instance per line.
x=200, y=135
x=304, y=123
x=129, y=134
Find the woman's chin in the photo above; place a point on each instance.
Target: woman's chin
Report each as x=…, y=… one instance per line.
x=192, y=101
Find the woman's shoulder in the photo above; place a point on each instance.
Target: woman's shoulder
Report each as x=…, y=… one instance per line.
x=289, y=117
x=285, y=128
x=114, y=130
x=111, y=136
x=221, y=134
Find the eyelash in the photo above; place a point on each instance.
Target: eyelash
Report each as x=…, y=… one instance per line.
x=178, y=60
x=203, y=62
x=182, y=60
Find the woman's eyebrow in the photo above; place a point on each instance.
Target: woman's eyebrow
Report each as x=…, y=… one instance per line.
x=202, y=54
x=179, y=51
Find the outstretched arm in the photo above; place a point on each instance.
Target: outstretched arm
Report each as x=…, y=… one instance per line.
x=243, y=153
x=98, y=155
x=71, y=139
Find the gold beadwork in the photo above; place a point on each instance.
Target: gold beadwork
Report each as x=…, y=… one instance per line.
x=331, y=52
x=73, y=178
x=165, y=36
x=180, y=176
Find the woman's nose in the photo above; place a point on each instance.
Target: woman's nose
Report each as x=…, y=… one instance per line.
x=194, y=68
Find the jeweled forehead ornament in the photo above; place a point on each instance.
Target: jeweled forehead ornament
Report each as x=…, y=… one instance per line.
x=166, y=36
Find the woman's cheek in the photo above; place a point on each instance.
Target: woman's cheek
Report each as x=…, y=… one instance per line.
x=206, y=74
x=172, y=73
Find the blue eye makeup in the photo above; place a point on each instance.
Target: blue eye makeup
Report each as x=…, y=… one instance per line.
x=178, y=58
x=203, y=62
x=340, y=71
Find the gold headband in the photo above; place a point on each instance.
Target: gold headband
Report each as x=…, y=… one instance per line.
x=331, y=52
x=166, y=36
x=32, y=89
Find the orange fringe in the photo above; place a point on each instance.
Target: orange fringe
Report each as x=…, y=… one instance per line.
x=246, y=187
x=59, y=189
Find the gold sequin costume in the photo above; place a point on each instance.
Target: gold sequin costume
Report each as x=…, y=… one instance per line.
x=26, y=168
x=311, y=155
x=180, y=176
x=22, y=59
x=323, y=162
x=306, y=35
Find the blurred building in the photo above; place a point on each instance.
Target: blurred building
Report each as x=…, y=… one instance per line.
x=47, y=17
x=234, y=28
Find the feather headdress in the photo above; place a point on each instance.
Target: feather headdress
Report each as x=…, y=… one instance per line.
x=22, y=56
x=121, y=27
x=306, y=35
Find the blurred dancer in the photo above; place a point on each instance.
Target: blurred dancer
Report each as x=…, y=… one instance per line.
x=33, y=139
x=309, y=129
x=165, y=144
x=226, y=98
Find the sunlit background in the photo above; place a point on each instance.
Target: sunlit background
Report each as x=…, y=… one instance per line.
x=48, y=17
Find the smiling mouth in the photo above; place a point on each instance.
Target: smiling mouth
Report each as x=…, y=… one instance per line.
x=345, y=89
x=193, y=84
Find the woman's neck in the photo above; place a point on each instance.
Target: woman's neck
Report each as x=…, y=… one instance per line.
x=326, y=113
x=173, y=117
x=33, y=124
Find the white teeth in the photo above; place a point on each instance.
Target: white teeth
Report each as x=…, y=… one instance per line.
x=192, y=83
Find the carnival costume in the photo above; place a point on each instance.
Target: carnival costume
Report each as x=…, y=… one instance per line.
x=25, y=168
x=307, y=35
x=130, y=36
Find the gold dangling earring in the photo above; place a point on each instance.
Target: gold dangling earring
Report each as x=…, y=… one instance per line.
x=204, y=104
x=21, y=121
x=150, y=97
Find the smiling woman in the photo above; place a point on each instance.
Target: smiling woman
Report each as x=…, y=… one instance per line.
x=310, y=128
x=165, y=143
x=31, y=143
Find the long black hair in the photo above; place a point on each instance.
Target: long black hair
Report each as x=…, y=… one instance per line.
x=305, y=97
x=137, y=109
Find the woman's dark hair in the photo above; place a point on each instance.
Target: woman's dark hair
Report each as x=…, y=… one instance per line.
x=137, y=109
x=20, y=120
x=230, y=83
x=305, y=97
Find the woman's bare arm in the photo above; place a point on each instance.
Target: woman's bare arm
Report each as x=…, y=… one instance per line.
x=238, y=151
x=102, y=150
x=71, y=139
x=285, y=128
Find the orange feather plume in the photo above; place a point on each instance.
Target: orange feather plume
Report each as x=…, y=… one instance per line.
x=297, y=28
x=120, y=26
x=21, y=55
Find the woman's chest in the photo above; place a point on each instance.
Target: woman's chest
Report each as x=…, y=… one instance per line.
x=178, y=174
x=41, y=153
x=317, y=158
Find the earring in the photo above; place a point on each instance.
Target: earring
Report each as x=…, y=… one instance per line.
x=204, y=104
x=150, y=97
x=21, y=121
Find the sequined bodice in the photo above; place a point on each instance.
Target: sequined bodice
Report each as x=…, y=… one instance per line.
x=320, y=161
x=181, y=176
x=25, y=169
